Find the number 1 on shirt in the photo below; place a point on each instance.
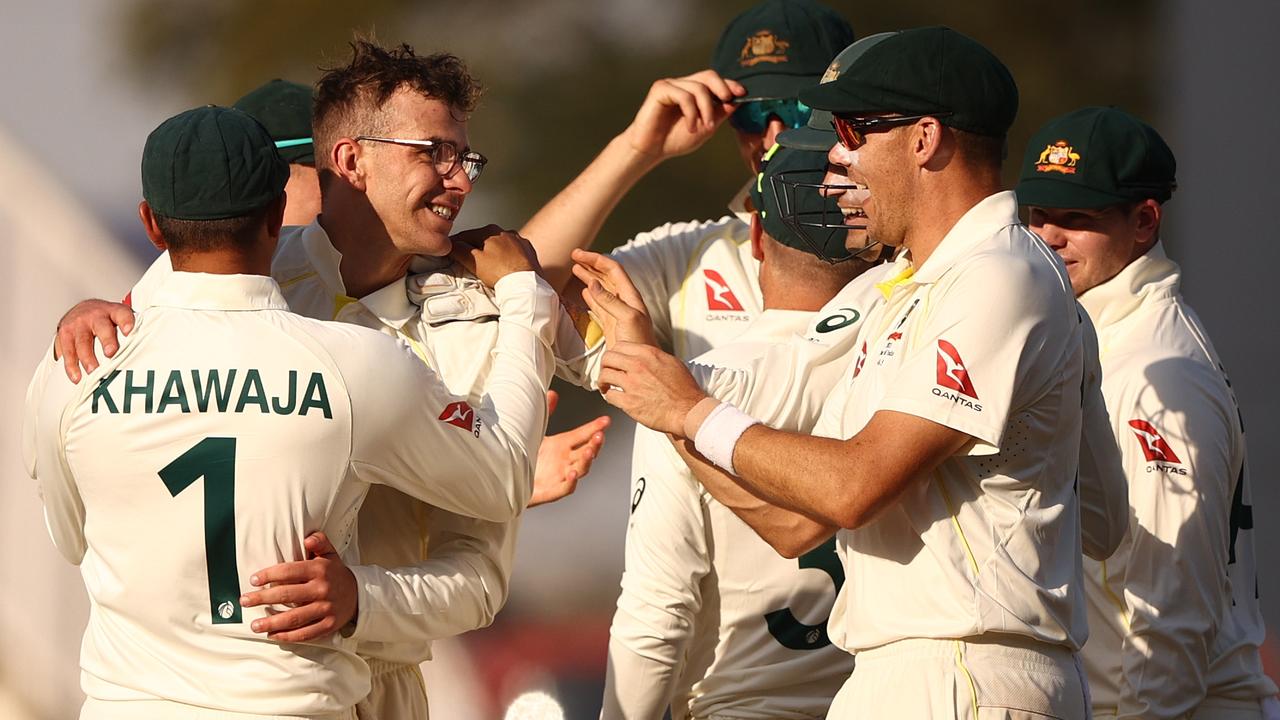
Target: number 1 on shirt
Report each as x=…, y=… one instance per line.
x=214, y=459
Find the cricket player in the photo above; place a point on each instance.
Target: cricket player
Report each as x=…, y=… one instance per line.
x=284, y=109
x=711, y=620
x=1174, y=619
x=424, y=573
x=946, y=460
x=281, y=422
x=699, y=280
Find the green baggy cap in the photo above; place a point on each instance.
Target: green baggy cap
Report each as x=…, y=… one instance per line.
x=284, y=109
x=935, y=71
x=818, y=134
x=211, y=163
x=1095, y=157
x=780, y=46
x=803, y=166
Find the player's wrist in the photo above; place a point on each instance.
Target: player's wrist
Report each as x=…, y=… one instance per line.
x=697, y=414
x=717, y=435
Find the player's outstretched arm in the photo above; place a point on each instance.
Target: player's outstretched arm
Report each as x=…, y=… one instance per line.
x=677, y=117
x=845, y=482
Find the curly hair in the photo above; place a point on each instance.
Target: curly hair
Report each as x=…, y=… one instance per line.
x=348, y=97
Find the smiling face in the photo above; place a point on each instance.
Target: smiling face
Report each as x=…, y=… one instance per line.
x=414, y=202
x=880, y=165
x=1096, y=244
x=851, y=199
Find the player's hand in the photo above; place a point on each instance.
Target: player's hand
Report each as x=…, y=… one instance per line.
x=613, y=299
x=491, y=253
x=680, y=114
x=321, y=593
x=565, y=458
x=651, y=386
x=77, y=329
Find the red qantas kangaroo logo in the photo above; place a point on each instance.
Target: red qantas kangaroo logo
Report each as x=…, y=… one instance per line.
x=862, y=359
x=719, y=296
x=952, y=373
x=458, y=414
x=1153, y=443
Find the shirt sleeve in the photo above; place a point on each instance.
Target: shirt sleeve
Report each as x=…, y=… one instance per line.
x=1177, y=433
x=788, y=385
x=43, y=451
x=410, y=433
x=666, y=559
x=1104, y=491
x=460, y=587
x=971, y=368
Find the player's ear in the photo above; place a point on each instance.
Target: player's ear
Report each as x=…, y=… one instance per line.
x=345, y=159
x=149, y=224
x=1146, y=222
x=931, y=145
x=757, y=242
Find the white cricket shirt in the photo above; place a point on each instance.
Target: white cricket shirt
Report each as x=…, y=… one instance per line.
x=1174, y=613
x=984, y=338
x=711, y=619
x=223, y=432
x=426, y=573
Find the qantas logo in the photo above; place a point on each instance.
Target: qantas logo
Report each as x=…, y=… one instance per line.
x=952, y=373
x=1154, y=446
x=894, y=336
x=862, y=358
x=719, y=296
x=460, y=414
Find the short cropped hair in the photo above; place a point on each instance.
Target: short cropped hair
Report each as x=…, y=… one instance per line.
x=189, y=236
x=348, y=97
x=987, y=151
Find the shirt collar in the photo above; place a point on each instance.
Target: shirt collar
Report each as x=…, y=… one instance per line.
x=206, y=291
x=983, y=220
x=1152, y=274
x=391, y=304
x=323, y=256
x=739, y=204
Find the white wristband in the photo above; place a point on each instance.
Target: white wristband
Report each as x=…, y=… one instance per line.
x=719, y=433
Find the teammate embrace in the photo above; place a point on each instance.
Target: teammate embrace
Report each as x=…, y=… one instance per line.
x=1007, y=458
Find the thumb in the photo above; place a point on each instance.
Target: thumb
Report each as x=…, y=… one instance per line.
x=317, y=543
x=553, y=399
x=461, y=253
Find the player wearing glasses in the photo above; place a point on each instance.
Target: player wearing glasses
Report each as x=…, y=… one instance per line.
x=945, y=462
x=390, y=132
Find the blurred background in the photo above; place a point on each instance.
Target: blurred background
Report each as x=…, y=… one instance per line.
x=84, y=81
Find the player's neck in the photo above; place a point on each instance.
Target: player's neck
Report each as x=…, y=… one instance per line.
x=370, y=261
x=940, y=211
x=224, y=261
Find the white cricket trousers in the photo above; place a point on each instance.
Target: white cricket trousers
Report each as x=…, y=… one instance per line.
x=994, y=677
x=1214, y=708
x=397, y=692
x=164, y=710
